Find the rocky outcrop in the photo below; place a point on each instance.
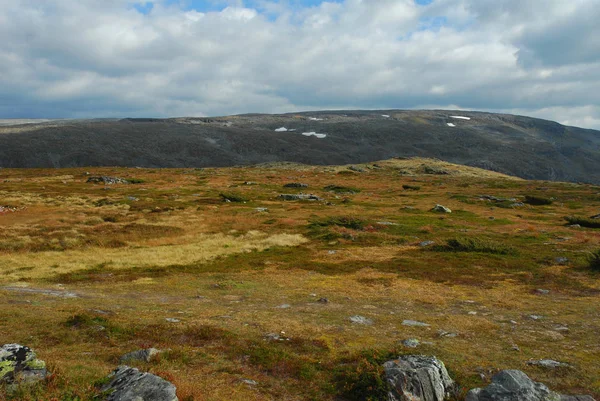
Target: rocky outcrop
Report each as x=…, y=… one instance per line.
x=107, y=180
x=20, y=364
x=293, y=197
x=514, y=385
x=418, y=378
x=127, y=384
x=295, y=185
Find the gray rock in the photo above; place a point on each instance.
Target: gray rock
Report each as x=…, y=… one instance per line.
x=361, y=320
x=20, y=364
x=295, y=185
x=512, y=385
x=142, y=355
x=549, y=364
x=172, y=320
x=441, y=209
x=414, y=323
x=129, y=384
x=418, y=378
x=323, y=300
x=561, y=260
x=293, y=197
x=426, y=243
x=51, y=293
x=542, y=291
x=411, y=343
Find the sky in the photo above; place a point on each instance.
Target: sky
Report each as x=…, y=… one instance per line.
x=167, y=58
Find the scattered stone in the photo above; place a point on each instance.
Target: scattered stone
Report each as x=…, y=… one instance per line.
x=386, y=223
x=418, y=378
x=515, y=347
x=128, y=384
x=561, y=260
x=441, y=209
x=561, y=328
x=575, y=226
x=357, y=169
x=250, y=183
x=411, y=343
x=262, y=209
x=361, y=320
x=276, y=337
x=414, y=323
x=107, y=180
x=295, y=185
x=447, y=334
x=172, y=320
x=331, y=252
x=52, y=293
x=536, y=317
x=142, y=355
x=541, y=291
x=250, y=382
x=133, y=198
x=426, y=243
x=20, y=364
x=283, y=306
x=293, y=197
x=323, y=301
x=548, y=364
x=472, y=313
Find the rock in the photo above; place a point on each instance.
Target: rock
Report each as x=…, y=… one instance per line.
x=414, y=323
x=295, y=185
x=51, y=293
x=129, y=384
x=142, y=355
x=536, y=317
x=172, y=320
x=447, y=334
x=512, y=385
x=107, y=180
x=417, y=378
x=411, y=343
x=561, y=260
x=549, y=364
x=426, y=243
x=250, y=382
x=361, y=320
x=541, y=291
x=323, y=301
x=441, y=209
x=293, y=197
x=20, y=364
x=283, y=306
x=262, y=209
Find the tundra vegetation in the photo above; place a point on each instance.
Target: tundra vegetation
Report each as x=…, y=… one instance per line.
x=250, y=296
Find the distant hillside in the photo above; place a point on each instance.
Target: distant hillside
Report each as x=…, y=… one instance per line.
x=521, y=146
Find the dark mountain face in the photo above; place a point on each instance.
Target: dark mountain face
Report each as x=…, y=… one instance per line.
x=516, y=145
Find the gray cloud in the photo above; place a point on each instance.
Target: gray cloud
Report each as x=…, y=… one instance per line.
x=85, y=58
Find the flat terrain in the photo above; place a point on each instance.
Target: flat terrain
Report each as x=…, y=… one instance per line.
x=235, y=290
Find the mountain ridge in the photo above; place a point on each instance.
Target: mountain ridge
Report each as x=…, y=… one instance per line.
x=522, y=146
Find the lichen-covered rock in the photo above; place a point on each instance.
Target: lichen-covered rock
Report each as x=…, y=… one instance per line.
x=142, y=355
x=514, y=385
x=441, y=209
x=20, y=363
x=293, y=197
x=129, y=384
x=107, y=180
x=418, y=378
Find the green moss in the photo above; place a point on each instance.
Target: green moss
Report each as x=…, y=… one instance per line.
x=6, y=367
x=35, y=364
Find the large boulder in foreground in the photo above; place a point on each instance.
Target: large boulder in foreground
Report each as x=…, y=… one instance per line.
x=127, y=384
x=514, y=385
x=20, y=364
x=418, y=378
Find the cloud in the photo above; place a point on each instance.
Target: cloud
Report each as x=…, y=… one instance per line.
x=88, y=58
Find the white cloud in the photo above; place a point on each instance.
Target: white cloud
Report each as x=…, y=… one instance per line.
x=66, y=58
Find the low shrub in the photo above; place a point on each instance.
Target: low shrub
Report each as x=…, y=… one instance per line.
x=353, y=223
x=475, y=245
x=536, y=200
x=411, y=187
x=231, y=197
x=338, y=189
x=583, y=221
x=594, y=260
